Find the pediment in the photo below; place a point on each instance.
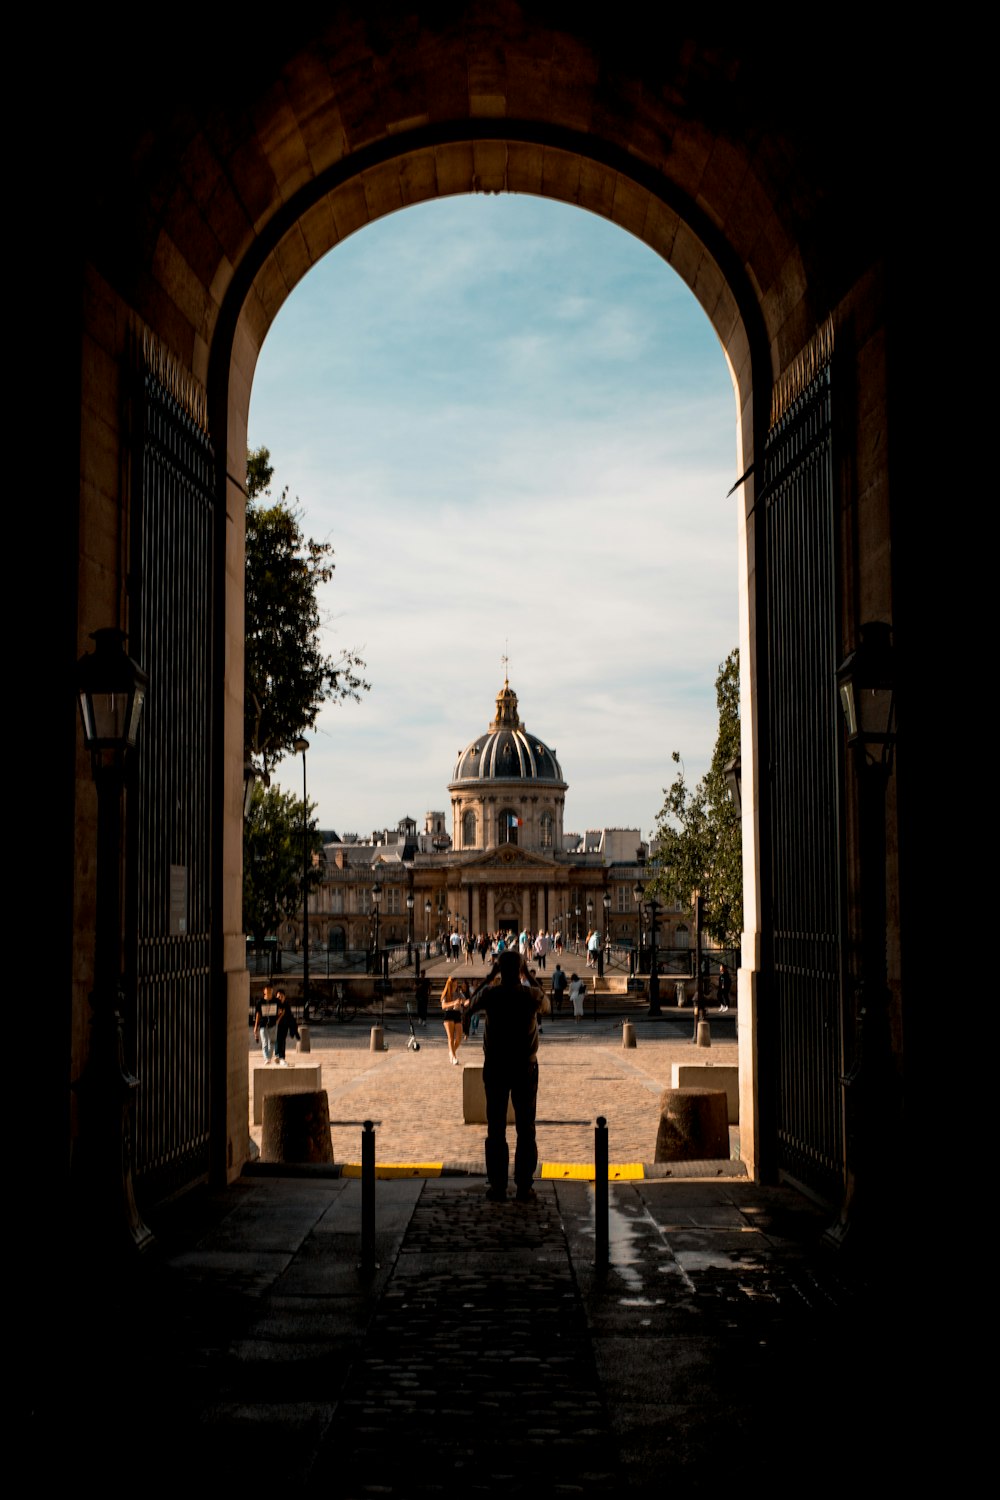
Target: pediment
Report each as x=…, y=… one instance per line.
x=509, y=856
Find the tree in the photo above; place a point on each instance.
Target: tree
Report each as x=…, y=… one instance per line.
x=287, y=676
x=698, y=835
x=272, y=860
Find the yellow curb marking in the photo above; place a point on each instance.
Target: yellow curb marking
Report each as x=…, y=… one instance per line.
x=617, y=1171
x=405, y=1169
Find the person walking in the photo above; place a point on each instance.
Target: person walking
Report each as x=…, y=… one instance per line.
x=263, y=1025
x=423, y=991
x=725, y=986
x=559, y=985
x=454, y=998
x=510, y=1072
x=577, y=994
x=285, y=1024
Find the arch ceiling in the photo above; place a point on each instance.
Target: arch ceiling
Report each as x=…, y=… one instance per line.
x=226, y=166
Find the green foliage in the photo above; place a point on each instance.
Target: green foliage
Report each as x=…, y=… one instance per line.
x=287, y=676
x=698, y=837
x=272, y=860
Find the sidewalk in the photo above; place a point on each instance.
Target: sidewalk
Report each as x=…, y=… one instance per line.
x=486, y=1354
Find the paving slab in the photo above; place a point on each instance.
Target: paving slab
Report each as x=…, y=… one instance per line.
x=486, y=1352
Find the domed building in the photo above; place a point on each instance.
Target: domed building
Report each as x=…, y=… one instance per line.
x=508, y=865
x=507, y=787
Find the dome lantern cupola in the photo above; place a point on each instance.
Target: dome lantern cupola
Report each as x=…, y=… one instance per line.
x=507, y=786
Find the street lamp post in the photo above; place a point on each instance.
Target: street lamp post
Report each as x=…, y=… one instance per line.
x=409, y=928
x=427, y=928
x=872, y=1105
x=698, y=901
x=111, y=690
x=653, y=908
x=637, y=895
x=376, y=902
x=606, y=949
x=300, y=747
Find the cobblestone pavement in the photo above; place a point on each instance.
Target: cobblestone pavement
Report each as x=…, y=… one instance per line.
x=486, y=1353
x=477, y=1375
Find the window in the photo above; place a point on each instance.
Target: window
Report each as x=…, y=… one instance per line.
x=509, y=822
x=469, y=830
x=546, y=830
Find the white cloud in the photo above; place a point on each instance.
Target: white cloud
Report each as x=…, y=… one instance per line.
x=513, y=425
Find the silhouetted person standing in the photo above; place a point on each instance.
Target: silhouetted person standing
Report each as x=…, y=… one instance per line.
x=510, y=1071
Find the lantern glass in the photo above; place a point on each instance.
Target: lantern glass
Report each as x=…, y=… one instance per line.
x=112, y=690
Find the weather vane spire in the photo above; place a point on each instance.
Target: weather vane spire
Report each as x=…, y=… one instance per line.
x=505, y=661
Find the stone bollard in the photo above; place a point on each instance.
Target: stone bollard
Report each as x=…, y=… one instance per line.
x=704, y=1035
x=297, y=1128
x=304, y=1043
x=375, y=1041
x=628, y=1034
x=694, y=1126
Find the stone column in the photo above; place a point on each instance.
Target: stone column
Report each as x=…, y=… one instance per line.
x=526, y=908
x=491, y=916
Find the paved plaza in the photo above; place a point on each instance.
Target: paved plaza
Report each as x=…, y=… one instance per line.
x=584, y=1071
x=485, y=1352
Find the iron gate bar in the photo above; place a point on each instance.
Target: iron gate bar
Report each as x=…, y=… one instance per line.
x=170, y=802
x=805, y=870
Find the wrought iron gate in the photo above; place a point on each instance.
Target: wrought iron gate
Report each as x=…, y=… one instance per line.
x=170, y=800
x=805, y=879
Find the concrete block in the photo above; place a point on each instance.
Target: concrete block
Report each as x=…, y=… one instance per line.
x=297, y=1128
x=300, y=1079
x=474, y=1098
x=693, y=1126
x=711, y=1076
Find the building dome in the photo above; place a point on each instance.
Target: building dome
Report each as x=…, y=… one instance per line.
x=507, y=752
x=507, y=786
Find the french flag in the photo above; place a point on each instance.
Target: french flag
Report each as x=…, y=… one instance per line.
x=513, y=822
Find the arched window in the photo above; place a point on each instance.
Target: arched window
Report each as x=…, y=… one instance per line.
x=545, y=827
x=469, y=831
x=682, y=937
x=509, y=823
x=336, y=941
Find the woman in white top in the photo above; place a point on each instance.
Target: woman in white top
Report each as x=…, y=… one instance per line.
x=577, y=991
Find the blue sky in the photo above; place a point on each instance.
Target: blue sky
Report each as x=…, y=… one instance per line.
x=517, y=429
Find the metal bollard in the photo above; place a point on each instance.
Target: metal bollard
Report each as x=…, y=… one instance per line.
x=368, y=1198
x=601, y=1194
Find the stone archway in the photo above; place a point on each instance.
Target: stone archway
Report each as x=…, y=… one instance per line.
x=202, y=217
x=413, y=170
